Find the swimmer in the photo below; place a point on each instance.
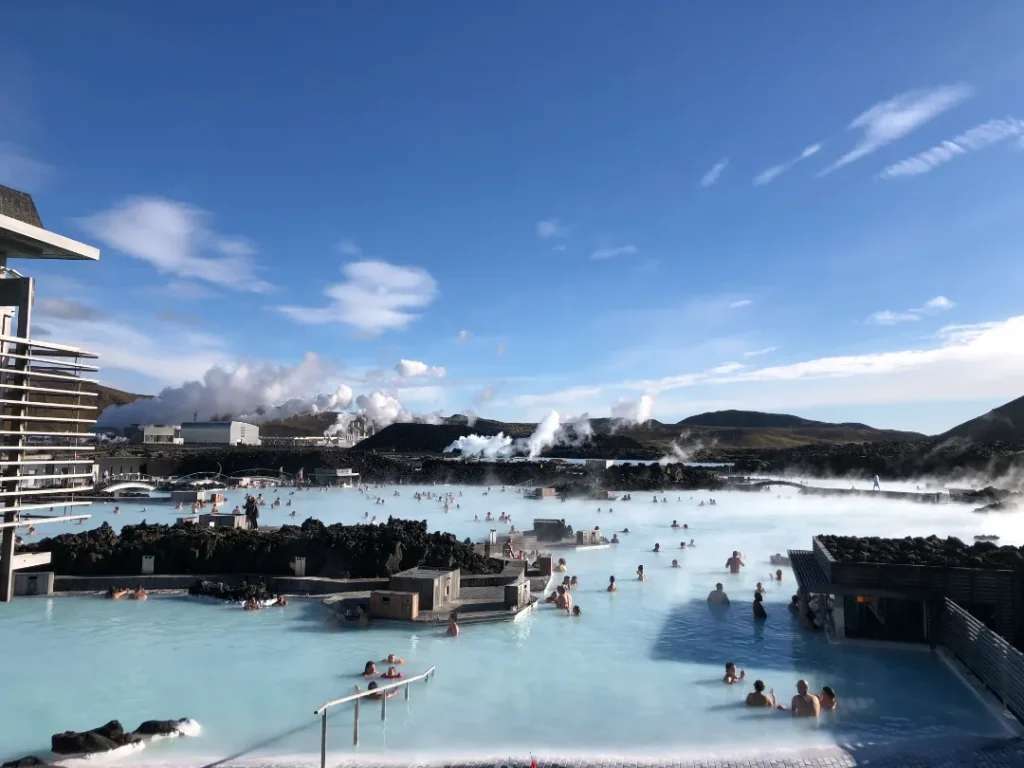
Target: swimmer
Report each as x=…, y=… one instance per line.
x=615, y=538
x=573, y=583
x=611, y=584
x=453, y=624
x=829, y=700
x=576, y=612
x=640, y=573
x=718, y=596
x=393, y=659
x=804, y=704
x=778, y=575
x=675, y=563
x=734, y=563
x=760, y=614
x=731, y=674
x=382, y=694
x=657, y=548
x=758, y=698
x=682, y=545
x=370, y=670
x=675, y=523
x=392, y=674
x=759, y=588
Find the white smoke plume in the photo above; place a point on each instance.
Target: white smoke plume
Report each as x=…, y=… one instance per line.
x=683, y=449
x=544, y=435
x=549, y=432
x=626, y=412
x=497, y=446
x=253, y=392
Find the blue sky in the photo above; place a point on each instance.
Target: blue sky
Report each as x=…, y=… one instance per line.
x=574, y=206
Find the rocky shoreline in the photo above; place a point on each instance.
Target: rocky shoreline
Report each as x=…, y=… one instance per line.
x=334, y=551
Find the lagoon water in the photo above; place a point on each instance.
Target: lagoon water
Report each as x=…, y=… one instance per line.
x=638, y=674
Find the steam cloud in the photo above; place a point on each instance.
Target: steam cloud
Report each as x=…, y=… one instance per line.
x=633, y=411
x=252, y=392
x=549, y=432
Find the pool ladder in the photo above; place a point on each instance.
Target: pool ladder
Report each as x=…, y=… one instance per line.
x=355, y=698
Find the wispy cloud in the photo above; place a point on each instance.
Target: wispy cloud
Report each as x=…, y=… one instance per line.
x=176, y=239
x=930, y=307
x=375, y=296
x=20, y=170
x=550, y=228
x=890, y=120
x=463, y=336
x=740, y=303
x=349, y=248
x=760, y=352
x=610, y=253
x=978, y=137
x=67, y=309
x=712, y=176
x=770, y=174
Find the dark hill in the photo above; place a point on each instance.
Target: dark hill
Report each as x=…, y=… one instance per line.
x=749, y=419
x=420, y=438
x=1002, y=424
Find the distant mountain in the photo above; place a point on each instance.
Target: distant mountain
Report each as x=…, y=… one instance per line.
x=108, y=396
x=749, y=419
x=1002, y=424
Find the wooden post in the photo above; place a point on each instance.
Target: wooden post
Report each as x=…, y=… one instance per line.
x=323, y=740
x=355, y=726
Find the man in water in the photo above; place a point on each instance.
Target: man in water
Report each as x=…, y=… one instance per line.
x=611, y=584
x=718, y=596
x=804, y=704
x=734, y=563
x=758, y=698
x=453, y=624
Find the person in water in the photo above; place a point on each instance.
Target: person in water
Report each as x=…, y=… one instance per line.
x=829, y=700
x=758, y=698
x=370, y=670
x=760, y=614
x=611, y=584
x=734, y=563
x=794, y=605
x=759, y=588
x=732, y=675
x=675, y=563
x=573, y=583
x=381, y=694
x=657, y=548
x=675, y=523
x=640, y=573
x=804, y=704
x=576, y=612
x=615, y=538
x=453, y=624
x=393, y=659
x=682, y=545
x=717, y=596
x=392, y=674
x=778, y=575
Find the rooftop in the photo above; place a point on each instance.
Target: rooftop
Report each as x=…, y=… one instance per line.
x=22, y=235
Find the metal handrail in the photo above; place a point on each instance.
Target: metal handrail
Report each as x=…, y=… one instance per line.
x=46, y=345
x=356, y=697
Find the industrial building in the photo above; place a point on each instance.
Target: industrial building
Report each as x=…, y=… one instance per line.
x=220, y=433
x=155, y=434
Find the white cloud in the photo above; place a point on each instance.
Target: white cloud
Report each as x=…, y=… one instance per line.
x=712, y=176
x=760, y=352
x=375, y=296
x=67, y=309
x=463, y=336
x=978, y=137
x=610, y=253
x=349, y=248
x=769, y=175
x=740, y=303
x=176, y=239
x=890, y=120
x=930, y=307
x=409, y=369
x=188, y=290
x=725, y=368
x=549, y=228
x=21, y=171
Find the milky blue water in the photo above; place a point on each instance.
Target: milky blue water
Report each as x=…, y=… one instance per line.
x=639, y=673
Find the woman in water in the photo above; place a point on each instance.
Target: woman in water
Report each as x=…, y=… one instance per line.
x=392, y=674
x=370, y=670
x=611, y=584
x=760, y=614
x=640, y=573
x=453, y=624
x=829, y=700
x=731, y=674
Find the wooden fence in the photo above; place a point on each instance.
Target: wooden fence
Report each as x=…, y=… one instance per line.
x=987, y=654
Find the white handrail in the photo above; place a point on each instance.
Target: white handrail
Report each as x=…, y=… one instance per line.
x=374, y=692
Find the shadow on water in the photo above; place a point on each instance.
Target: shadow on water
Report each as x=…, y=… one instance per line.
x=875, y=702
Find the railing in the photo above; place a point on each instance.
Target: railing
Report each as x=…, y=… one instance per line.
x=47, y=412
x=987, y=654
x=380, y=692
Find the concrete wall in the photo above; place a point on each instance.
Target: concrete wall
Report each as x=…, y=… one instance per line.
x=292, y=585
x=388, y=604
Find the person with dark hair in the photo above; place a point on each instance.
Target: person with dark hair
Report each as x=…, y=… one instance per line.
x=731, y=673
x=453, y=624
x=370, y=670
x=758, y=698
x=829, y=700
x=611, y=584
x=760, y=614
x=718, y=596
